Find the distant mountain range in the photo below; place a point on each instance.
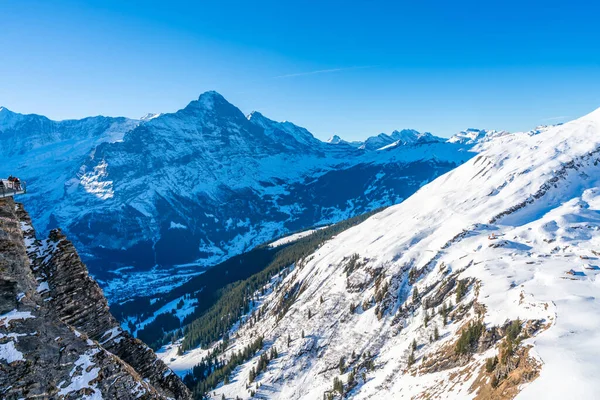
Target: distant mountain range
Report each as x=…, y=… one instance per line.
x=176, y=192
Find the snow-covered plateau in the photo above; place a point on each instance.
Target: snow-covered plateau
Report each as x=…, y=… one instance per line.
x=482, y=284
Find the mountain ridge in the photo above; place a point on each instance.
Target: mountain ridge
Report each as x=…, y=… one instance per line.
x=57, y=337
x=118, y=186
x=482, y=282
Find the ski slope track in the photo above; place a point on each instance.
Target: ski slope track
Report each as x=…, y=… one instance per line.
x=510, y=239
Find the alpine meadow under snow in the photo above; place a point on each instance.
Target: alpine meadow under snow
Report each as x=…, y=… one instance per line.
x=480, y=285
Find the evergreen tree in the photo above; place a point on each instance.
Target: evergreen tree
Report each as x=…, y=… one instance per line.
x=338, y=386
x=461, y=289
x=411, y=359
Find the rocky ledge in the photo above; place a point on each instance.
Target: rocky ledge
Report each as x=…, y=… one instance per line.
x=57, y=337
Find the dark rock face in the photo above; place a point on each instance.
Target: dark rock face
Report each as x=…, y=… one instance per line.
x=57, y=338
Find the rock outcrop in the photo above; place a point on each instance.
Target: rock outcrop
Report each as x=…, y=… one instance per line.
x=57, y=336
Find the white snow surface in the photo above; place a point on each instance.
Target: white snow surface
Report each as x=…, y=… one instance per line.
x=539, y=195
x=84, y=372
x=14, y=315
x=9, y=353
x=293, y=237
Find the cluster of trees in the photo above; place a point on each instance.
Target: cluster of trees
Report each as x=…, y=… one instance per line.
x=469, y=337
x=206, y=375
x=262, y=364
x=507, y=350
x=352, y=264
x=156, y=333
x=445, y=311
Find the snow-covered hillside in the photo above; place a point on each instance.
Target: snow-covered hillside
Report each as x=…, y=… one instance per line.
x=150, y=203
x=480, y=285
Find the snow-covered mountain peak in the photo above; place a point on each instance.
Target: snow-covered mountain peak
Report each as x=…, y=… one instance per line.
x=473, y=136
x=286, y=132
x=150, y=116
x=5, y=114
x=211, y=97
x=335, y=139
x=213, y=103
x=410, y=136
x=402, y=137
x=258, y=118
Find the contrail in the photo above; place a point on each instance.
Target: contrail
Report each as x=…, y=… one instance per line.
x=321, y=71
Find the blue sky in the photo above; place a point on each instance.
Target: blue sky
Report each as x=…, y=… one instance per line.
x=353, y=68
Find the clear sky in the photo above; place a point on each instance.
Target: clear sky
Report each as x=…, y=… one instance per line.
x=353, y=68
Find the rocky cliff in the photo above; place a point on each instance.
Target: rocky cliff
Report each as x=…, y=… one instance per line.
x=57, y=337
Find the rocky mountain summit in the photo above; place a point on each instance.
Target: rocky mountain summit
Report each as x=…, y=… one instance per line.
x=57, y=338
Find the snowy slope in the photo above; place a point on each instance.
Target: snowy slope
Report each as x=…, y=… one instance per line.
x=518, y=225
x=206, y=181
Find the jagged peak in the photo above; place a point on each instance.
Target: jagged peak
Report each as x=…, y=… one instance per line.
x=6, y=111
x=335, y=139
x=258, y=117
x=150, y=116
x=212, y=95
x=209, y=101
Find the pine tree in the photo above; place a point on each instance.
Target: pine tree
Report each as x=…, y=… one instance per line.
x=414, y=344
x=351, y=377
x=461, y=289
x=411, y=359
x=436, y=333
x=342, y=365
x=416, y=295
x=338, y=386
x=302, y=333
